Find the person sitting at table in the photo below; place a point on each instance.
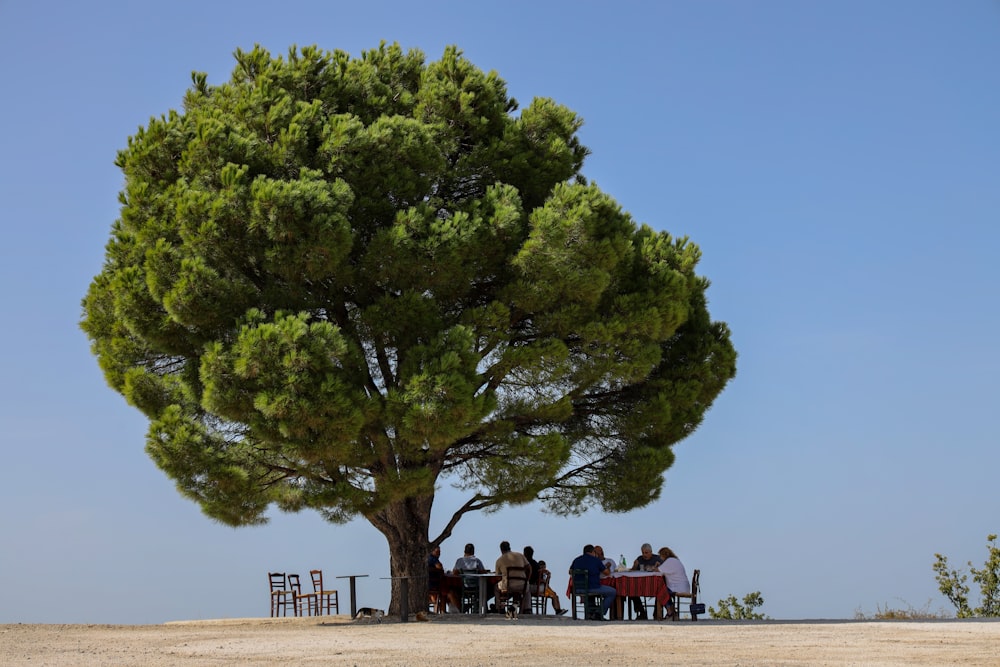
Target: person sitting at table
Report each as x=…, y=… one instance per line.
x=646, y=562
x=435, y=572
x=674, y=572
x=608, y=562
x=435, y=577
x=548, y=592
x=536, y=581
x=469, y=562
x=595, y=570
x=507, y=560
x=529, y=553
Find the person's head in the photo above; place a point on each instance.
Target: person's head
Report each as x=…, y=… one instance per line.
x=666, y=552
x=528, y=552
x=541, y=565
x=589, y=549
x=504, y=547
x=470, y=549
x=599, y=551
x=436, y=552
x=647, y=550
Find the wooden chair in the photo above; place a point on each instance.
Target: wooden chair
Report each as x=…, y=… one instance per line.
x=512, y=600
x=302, y=602
x=326, y=601
x=649, y=605
x=581, y=595
x=281, y=596
x=539, y=601
x=674, y=608
x=435, y=596
x=470, y=593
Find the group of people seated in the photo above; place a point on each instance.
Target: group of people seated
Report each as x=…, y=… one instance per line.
x=598, y=566
x=537, y=577
x=592, y=560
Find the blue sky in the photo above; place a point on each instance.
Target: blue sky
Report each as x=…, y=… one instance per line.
x=838, y=163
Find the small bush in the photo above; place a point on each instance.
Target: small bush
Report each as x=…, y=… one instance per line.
x=951, y=583
x=731, y=609
x=910, y=613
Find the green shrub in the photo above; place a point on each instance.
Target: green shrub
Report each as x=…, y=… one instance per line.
x=951, y=583
x=910, y=613
x=731, y=609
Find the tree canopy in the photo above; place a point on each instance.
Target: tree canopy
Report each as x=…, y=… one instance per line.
x=336, y=283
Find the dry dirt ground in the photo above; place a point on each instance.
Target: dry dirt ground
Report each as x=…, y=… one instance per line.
x=494, y=641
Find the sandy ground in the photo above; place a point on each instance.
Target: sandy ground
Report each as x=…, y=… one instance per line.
x=495, y=641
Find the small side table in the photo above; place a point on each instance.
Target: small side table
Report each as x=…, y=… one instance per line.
x=404, y=592
x=354, y=598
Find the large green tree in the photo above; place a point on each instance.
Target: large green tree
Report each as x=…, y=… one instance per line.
x=337, y=283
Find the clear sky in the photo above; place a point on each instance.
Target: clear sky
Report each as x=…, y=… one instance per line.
x=838, y=162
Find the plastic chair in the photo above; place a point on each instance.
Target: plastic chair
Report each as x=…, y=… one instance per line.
x=281, y=596
x=325, y=600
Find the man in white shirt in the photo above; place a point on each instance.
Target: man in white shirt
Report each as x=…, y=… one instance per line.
x=469, y=561
x=608, y=562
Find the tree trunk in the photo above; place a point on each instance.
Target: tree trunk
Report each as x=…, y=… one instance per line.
x=405, y=525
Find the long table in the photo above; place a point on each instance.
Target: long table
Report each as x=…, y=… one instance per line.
x=487, y=580
x=640, y=584
x=634, y=584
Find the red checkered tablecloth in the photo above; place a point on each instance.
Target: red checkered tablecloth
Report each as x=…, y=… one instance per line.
x=640, y=584
x=635, y=584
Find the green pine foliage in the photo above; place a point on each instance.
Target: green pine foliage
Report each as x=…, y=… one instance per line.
x=336, y=283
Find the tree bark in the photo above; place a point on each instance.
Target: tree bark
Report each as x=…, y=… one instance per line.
x=405, y=525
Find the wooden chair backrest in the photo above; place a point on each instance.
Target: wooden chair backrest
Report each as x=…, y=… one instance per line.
x=517, y=579
x=581, y=582
x=470, y=583
x=276, y=581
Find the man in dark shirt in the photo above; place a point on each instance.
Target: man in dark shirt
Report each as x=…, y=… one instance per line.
x=595, y=570
x=538, y=589
x=529, y=553
x=435, y=576
x=646, y=562
x=434, y=560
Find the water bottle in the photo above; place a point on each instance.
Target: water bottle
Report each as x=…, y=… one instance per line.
x=624, y=566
